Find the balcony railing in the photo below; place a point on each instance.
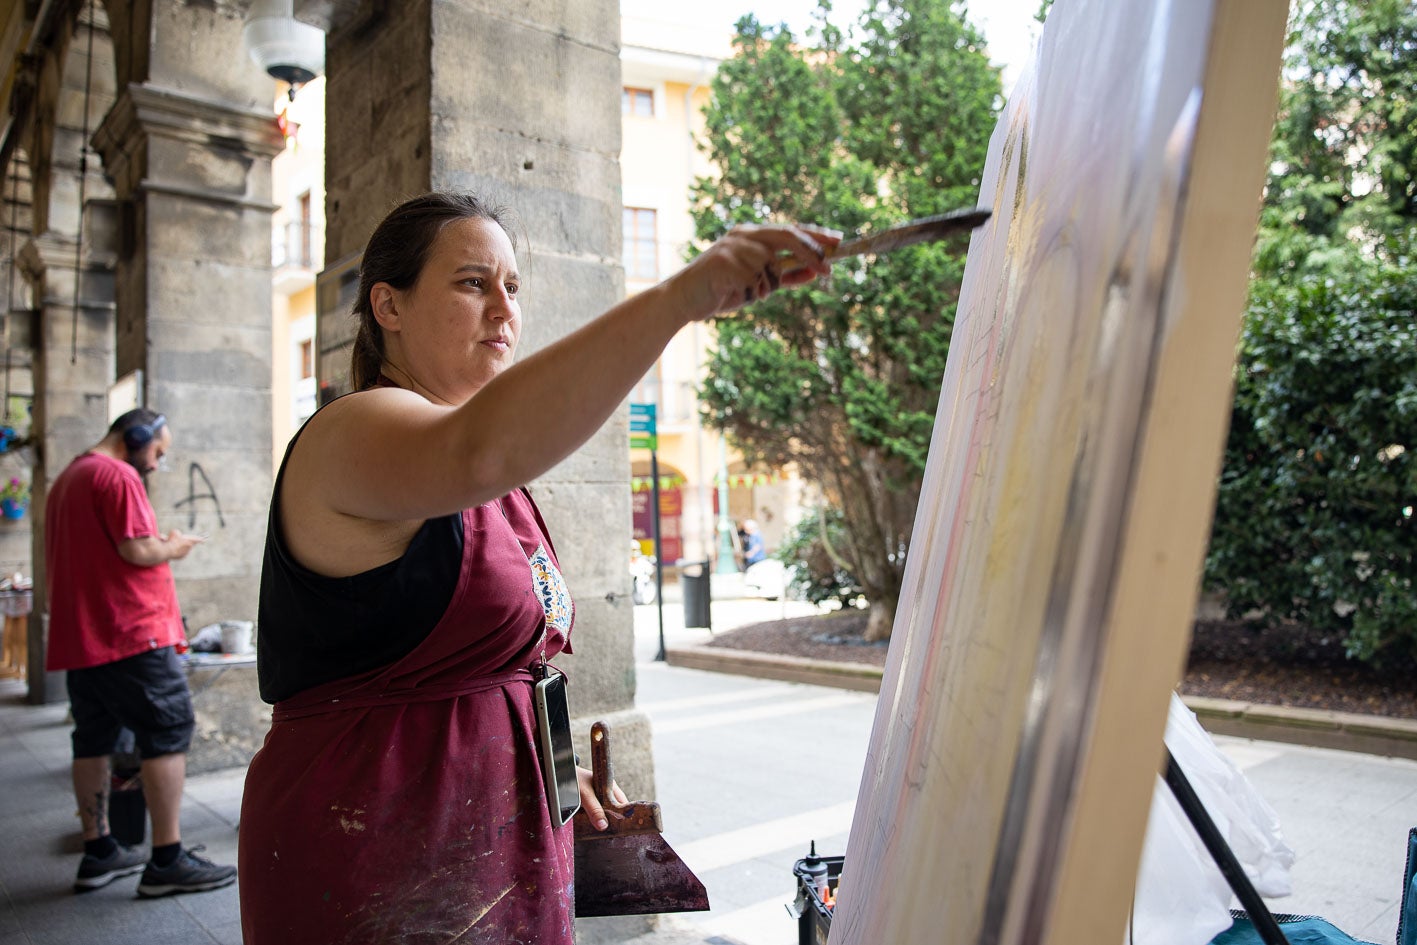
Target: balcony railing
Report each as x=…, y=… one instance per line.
x=676, y=402
x=294, y=244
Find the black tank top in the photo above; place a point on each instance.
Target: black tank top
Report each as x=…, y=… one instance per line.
x=313, y=629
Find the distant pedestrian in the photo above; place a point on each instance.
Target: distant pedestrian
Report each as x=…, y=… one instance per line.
x=113, y=625
x=753, y=550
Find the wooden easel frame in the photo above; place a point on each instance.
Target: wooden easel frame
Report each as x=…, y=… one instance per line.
x=1056, y=554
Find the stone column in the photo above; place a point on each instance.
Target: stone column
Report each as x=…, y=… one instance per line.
x=519, y=104
x=73, y=362
x=192, y=175
x=68, y=266
x=525, y=109
x=16, y=541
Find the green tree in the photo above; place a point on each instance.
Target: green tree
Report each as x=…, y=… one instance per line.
x=1314, y=513
x=857, y=130
x=1344, y=152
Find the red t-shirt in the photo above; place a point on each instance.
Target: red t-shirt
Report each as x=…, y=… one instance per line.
x=101, y=608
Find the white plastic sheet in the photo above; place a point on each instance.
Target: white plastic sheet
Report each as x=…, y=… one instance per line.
x=1182, y=898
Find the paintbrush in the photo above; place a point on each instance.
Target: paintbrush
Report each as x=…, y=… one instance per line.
x=909, y=233
x=924, y=230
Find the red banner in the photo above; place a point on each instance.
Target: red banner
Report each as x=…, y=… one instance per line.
x=671, y=507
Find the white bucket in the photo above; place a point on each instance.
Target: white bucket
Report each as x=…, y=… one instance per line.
x=236, y=636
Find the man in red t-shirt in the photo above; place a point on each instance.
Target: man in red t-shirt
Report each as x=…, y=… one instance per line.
x=113, y=624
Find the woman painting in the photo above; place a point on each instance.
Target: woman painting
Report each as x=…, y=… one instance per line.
x=410, y=590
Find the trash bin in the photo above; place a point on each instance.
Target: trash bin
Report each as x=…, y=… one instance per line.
x=694, y=582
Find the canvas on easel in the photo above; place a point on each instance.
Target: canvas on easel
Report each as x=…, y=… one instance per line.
x=1056, y=553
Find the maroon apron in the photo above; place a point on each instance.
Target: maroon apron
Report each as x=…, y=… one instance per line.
x=406, y=805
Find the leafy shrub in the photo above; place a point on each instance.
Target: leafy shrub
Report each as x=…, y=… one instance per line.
x=815, y=574
x=1314, y=519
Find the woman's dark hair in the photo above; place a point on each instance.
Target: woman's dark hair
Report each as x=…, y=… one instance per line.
x=396, y=254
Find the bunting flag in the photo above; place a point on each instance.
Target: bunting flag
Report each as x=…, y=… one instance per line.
x=742, y=480
x=735, y=481
x=646, y=483
x=288, y=127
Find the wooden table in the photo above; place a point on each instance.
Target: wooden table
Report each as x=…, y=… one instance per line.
x=15, y=605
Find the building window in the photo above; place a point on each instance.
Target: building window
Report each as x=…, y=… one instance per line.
x=307, y=255
x=637, y=102
x=640, y=244
x=302, y=368
x=647, y=390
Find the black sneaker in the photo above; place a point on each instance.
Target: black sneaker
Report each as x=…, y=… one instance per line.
x=188, y=873
x=95, y=872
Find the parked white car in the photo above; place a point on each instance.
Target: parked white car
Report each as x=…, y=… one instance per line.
x=642, y=573
x=768, y=578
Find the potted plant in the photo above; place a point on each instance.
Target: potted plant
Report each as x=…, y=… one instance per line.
x=14, y=498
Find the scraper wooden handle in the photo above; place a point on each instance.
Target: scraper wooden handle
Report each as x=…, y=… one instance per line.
x=636, y=817
x=601, y=774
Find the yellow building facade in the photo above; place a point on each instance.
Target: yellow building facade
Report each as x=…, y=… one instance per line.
x=667, y=67
x=297, y=254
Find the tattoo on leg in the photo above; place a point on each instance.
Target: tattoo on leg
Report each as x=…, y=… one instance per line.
x=99, y=811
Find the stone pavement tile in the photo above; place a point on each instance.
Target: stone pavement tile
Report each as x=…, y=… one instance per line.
x=226, y=934
x=761, y=886
x=1380, y=928
x=150, y=922
x=720, y=788
x=9, y=921
x=218, y=908
x=42, y=848
x=218, y=791
x=49, y=752
x=29, y=788
x=1347, y=816
x=33, y=723
x=767, y=878
x=112, y=914
x=678, y=930
x=200, y=819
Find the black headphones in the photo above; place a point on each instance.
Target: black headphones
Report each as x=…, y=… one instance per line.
x=135, y=438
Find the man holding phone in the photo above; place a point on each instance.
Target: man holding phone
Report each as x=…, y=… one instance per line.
x=113, y=624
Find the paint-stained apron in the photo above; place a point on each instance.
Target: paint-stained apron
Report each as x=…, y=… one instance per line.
x=406, y=805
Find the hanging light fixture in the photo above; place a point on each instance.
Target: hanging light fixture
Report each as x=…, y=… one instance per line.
x=286, y=48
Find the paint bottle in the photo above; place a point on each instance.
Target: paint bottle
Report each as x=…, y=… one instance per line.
x=813, y=870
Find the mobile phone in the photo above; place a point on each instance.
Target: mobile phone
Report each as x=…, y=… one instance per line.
x=558, y=758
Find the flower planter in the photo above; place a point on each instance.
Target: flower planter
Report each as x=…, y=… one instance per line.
x=10, y=508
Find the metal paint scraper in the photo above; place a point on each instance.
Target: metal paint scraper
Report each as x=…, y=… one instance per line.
x=628, y=868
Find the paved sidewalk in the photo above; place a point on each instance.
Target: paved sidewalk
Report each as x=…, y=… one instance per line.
x=42, y=844
x=748, y=771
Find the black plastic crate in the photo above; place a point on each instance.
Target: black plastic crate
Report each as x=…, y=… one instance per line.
x=814, y=914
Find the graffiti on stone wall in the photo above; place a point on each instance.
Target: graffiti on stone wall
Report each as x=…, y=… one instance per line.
x=194, y=471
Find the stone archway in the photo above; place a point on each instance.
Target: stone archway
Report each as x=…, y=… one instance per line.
x=186, y=145
x=67, y=264
x=173, y=273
